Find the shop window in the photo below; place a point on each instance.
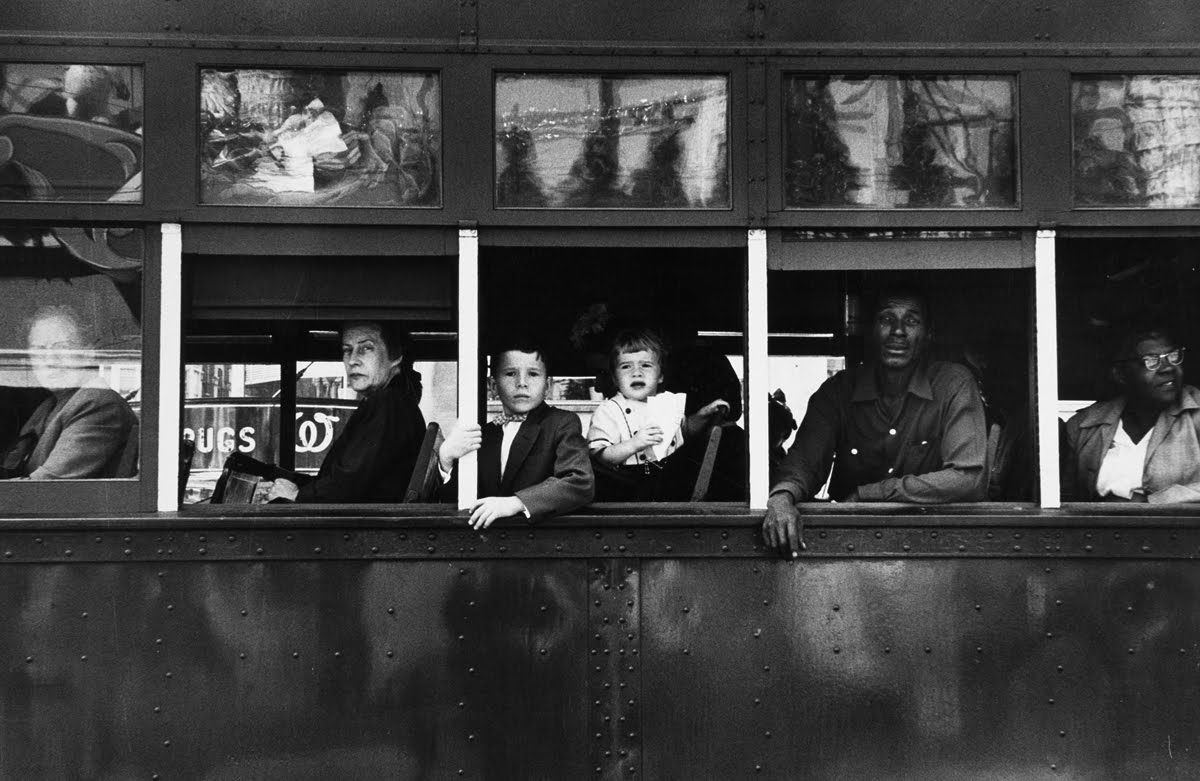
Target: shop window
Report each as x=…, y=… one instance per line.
x=1129, y=428
x=676, y=307
x=959, y=427
x=896, y=142
x=71, y=132
x=71, y=353
x=1136, y=141
x=278, y=137
x=264, y=388
x=612, y=142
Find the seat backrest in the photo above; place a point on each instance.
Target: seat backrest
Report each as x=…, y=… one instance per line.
x=187, y=449
x=424, y=480
x=704, y=477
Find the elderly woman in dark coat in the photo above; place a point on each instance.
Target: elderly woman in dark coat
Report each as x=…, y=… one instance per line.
x=373, y=458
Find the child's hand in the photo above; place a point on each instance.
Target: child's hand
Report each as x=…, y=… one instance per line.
x=489, y=508
x=462, y=439
x=648, y=437
x=712, y=408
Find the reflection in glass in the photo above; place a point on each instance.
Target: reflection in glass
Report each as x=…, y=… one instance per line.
x=70, y=353
x=70, y=132
x=320, y=138
x=900, y=142
x=1136, y=141
x=612, y=142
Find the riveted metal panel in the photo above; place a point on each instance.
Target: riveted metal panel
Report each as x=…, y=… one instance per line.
x=614, y=669
x=299, y=18
x=293, y=670
x=920, y=669
x=943, y=650
x=699, y=21
x=740, y=539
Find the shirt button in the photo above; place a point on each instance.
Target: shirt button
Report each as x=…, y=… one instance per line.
x=890, y=470
x=892, y=431
x=924, y=441
x=628, y=411
x=853, y=451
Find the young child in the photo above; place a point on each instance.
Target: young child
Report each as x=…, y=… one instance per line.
x=628, y=430
x=533, y=461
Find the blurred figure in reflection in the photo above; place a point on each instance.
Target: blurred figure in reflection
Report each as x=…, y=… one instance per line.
x=373, y=458
x=83, y=429
x=1143, y=445
x=899, y=428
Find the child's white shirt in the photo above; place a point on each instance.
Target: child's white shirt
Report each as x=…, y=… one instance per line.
x=617, y=419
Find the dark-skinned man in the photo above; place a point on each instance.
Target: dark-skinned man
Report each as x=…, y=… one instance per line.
x=898, y=428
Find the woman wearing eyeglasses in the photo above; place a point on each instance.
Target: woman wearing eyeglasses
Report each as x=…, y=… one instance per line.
x=1144, y=445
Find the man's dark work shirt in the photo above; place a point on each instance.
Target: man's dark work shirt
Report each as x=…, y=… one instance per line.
x=931, y=451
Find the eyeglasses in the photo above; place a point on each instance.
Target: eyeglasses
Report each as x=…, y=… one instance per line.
x=1154, y=362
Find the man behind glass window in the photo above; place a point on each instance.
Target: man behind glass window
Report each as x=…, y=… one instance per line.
x=84, y=429
x=898, y=428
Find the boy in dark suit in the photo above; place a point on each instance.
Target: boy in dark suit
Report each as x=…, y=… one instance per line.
x=533, y=460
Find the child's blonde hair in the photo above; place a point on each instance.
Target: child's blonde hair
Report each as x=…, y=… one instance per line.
x=633, y=340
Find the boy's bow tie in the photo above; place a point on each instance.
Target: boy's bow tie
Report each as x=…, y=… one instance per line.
x=500, y=421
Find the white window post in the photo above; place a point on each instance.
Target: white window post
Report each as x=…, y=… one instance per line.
x=757, y=367
x=170, y=339
x=1046, y=325
x=468, y=355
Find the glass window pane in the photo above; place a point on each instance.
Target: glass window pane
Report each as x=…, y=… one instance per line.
x=894, y=142
x=619, y=142
x=70, y=352
x=1123, y=302
x=320, y=138
x=228, y=408
x=1136, y=141
x=70, y=132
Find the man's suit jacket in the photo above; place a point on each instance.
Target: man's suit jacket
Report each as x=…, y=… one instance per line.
x=548, y=468
x=86, y=433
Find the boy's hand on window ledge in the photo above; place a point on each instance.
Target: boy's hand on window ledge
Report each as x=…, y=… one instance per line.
x=489, y=508
x=463, y=438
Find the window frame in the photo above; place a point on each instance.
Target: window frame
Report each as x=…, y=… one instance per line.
x=108, y=495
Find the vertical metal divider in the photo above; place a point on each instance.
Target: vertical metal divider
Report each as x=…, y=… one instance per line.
x=468, y=355
x=170, y=303
x=1045, y=297
x=757, y=367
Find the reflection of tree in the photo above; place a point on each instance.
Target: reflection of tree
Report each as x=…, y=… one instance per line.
x=819, y=172
x=953, y=140
x=518, y=184
x=593, y=178
x=927, y=182
x=659, y=184
x=1104, y=175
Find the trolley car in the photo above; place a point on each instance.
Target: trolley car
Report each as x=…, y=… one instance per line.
x=215, y=186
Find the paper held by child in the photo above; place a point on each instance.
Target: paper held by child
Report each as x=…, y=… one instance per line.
x=666, y=412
